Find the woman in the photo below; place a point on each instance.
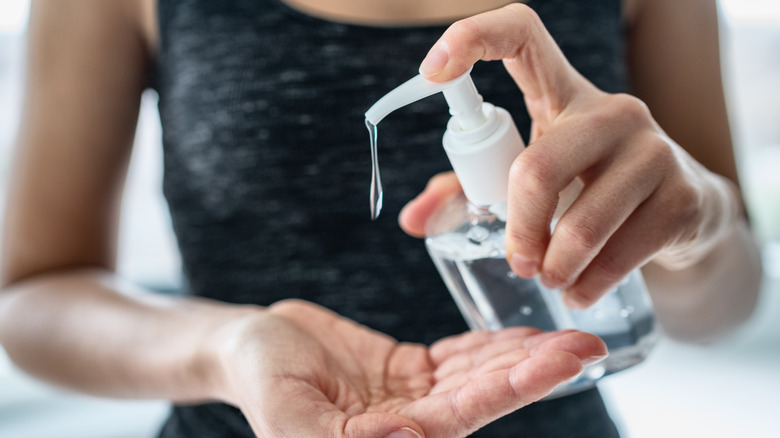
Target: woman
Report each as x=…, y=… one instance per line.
x=261, y=105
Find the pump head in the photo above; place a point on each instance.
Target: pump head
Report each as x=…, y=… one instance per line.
x=481, y=140
x=461, y=95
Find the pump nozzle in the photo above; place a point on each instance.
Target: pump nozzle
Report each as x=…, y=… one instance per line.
x=461, y=95
x=481, y=140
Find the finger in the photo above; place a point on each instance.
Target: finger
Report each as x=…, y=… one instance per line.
x=539, y=175
x=601, y=208
x=472, y=358
x=460, y=412
x=584, y=143
x=462, y=377
x=642, y=236
x=587, y=347
x=536, y=340
x=504, y=361
x=450, y=346
x=513, y=33
x=584, y=346
x=415, y=214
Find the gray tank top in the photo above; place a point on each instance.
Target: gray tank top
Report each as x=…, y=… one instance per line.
x=266, y=171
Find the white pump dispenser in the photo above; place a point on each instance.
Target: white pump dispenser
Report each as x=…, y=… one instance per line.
x=481, y=140
x=461, y=95
x=466, y=237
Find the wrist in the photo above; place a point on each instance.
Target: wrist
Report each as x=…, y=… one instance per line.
x=721, y=207
x=211, y=366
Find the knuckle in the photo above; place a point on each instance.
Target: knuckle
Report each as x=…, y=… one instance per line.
x=630, y=107
x=533, y=174
x=469, y=31
x=610, y=268
x=653, y=158
x=558, y=276
x=657, y=151
x=581, y=234
x=680, y=202
x=287, y=304
x=686, y=204
x=525, y=238
x=524, y=14
x=581, y=294
x=688, y=200
x=630, y=111
x=484, y=31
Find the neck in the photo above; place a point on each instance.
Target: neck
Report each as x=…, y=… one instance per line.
x=395, y=12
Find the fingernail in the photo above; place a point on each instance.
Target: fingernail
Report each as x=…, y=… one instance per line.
x=405, y=432
x=435, y=61
x=573, y=301
x=594, y=359
x=548, y=282
x=523, y=266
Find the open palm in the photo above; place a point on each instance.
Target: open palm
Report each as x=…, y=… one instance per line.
x=307, y=372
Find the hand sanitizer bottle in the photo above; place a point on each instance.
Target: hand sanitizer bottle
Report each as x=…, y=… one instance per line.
x=466, y=238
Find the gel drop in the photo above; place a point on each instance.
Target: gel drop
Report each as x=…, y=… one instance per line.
x=375, y=196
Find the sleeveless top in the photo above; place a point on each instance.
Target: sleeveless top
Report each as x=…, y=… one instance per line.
x=266, y=171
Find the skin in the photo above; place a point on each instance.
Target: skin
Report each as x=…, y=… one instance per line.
x=395, y=13
x=66, y=317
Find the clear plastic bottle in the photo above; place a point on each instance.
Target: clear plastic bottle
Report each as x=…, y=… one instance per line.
x=466, y=243
x=465, y=238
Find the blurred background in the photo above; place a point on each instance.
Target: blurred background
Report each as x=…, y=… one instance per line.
x=728, y=389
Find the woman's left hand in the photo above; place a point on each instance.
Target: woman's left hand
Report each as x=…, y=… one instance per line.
x=299, y=370
x=643, y=196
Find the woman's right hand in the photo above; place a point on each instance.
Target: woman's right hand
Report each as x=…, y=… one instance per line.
x=299, y=370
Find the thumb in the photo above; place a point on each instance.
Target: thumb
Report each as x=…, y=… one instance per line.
x=415, y=214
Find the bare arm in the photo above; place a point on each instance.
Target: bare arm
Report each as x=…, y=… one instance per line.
x=64, y=317
x=675, y=69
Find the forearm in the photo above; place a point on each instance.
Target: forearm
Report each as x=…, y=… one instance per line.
x=713, y=296
x=87, y=331
x=719, y=289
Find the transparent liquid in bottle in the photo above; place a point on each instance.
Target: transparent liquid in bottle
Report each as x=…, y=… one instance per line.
x=466, y=244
